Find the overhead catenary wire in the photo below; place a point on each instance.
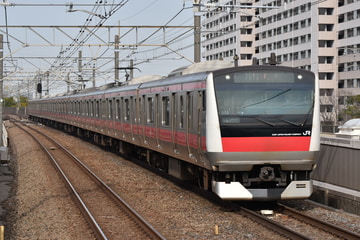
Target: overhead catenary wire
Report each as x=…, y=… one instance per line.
x=67, y=53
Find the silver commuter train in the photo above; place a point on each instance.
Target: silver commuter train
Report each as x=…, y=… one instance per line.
x=246, y=133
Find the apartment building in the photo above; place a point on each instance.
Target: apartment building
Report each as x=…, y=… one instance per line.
x=227, y=33
x=322, y=36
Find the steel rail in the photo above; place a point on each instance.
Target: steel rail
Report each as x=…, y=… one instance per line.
x=86, y=212
x=272, y=225
x=143, y=223
x=328, y=227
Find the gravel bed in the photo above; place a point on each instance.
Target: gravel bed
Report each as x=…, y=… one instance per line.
x=337, y=217
x=40, y=206
x=35, y=212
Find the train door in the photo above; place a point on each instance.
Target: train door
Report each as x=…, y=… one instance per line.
x=189, y=117
x=126, y=119
x=137, y=119
x=179, y=125
x=133, y=118
x=150, y=133
x=141, y=119
x=117, y=123
x=194, y=116
x=111, y=115
x=172, y=120
x=157, y=121
x=166, y=134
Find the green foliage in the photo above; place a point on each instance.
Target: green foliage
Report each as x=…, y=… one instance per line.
x=23, y=101
x=10, y=102
x=353, y=106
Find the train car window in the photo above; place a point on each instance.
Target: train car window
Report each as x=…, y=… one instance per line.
x=203, y=100
x=134, y=107
x=110, y=106
x=76, y=110
x=139, y=109
x=97, y=108
x=189, y=109
x=117, y=109
x=78, y=105
x=165, y=111
x=173, y=110
x=81, y=107
x=121, y=109
x=91, y=108
x=87, y=108
x=127, y=110
x=104, y=109
x=132, y=114
x=150, y=110
x=181, y=108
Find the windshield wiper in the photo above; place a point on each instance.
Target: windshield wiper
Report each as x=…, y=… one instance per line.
x=263, y=121
x=267, y=99
x=307, y=116
x=292, y=123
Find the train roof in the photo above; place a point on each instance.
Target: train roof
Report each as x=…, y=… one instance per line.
x=194, y=72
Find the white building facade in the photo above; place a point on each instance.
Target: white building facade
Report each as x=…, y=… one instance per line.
x=321, y=36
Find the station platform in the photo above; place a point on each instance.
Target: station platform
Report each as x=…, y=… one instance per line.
x=336, y=178
x=337, y=197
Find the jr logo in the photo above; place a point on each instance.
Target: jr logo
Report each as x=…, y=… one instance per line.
x=307, y=133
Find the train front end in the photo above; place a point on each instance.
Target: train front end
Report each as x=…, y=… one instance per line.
x=262, y=132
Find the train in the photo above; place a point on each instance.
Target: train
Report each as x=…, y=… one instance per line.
x=247, y=133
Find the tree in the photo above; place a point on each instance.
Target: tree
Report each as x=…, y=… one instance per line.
x=23, y=101
x=353, y=106
x=10, y=102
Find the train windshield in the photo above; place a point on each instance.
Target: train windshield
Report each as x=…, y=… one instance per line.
x=264, y=94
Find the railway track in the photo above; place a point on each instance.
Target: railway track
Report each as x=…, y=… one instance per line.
x=108, y=215
x=322, y=225
x=311, y=228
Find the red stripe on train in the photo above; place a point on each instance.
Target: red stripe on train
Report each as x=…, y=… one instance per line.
x=265, y=144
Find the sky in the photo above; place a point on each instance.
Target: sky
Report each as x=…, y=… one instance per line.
x=35, y=50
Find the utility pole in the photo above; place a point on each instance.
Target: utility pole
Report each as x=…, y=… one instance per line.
x=117, y=41
x=131, y=69
x=80, y=76
x=93, y=75
x=197, y=30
